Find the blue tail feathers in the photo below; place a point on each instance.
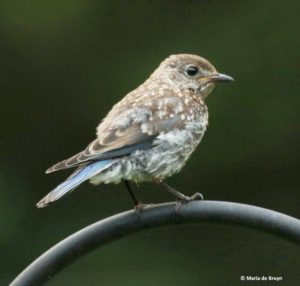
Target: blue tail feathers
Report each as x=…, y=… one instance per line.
x=79, y=176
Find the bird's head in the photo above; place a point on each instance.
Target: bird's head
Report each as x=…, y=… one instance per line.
x=190, y=72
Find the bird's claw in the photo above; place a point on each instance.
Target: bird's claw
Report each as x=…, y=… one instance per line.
x=194, y=197
x=140, y=206
x=186, y=199
x=197, y=197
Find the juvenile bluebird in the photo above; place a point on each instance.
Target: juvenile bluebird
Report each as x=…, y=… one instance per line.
x=150, y=134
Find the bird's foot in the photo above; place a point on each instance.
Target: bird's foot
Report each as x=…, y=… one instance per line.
x=140, y=206
x=194, y=197
x=197, y=197
x=185, y=199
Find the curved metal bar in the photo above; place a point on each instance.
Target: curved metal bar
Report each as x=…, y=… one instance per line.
x=117, y=226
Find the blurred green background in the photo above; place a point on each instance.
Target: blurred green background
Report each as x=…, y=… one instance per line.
x=63, y=65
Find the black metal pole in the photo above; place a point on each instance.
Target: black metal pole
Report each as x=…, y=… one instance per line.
x=117, y=226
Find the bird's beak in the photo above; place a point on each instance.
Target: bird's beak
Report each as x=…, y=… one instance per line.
x=219, y=77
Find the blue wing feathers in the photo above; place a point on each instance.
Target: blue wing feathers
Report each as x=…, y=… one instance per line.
x=78, y=177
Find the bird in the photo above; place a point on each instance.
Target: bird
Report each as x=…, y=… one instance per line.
x=149, y=135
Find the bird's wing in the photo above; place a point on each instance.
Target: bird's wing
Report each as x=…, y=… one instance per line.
x=124, y=131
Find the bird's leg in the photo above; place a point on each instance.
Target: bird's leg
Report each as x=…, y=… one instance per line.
x=138, y=205
x=180, y=196
x=133, y=197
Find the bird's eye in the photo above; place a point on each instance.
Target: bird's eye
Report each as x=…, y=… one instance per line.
x=191, y=70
